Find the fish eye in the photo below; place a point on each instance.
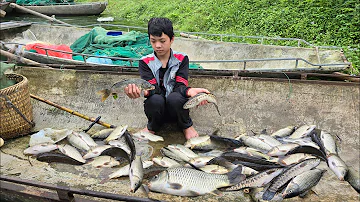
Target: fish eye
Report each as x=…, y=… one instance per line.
x=156, y=177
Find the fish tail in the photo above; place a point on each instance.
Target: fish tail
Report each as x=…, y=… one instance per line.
x=235, y=175
x=104, y=94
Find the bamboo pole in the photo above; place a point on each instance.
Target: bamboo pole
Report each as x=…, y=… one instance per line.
x=21, y=59
x=72, y=111
x=13, y=5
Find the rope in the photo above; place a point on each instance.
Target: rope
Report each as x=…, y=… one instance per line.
x=290, y=87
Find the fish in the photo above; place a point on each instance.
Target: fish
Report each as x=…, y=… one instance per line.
x=200, y=161
x=269, y=140
x=77, y=141
x=120, y=144
x=338, y=166
x=284, y=132
x=302, y=131
x=117, y=133
x=188, y=152
x=329, y=143
x=96, y=151
x=255, y=142
x=124, y=171
x=165, y=162
x=287, y=175
x=301, y=141
x=230, y=166
x=308, y=150
x=136, y=174
x=293, y=158
x=146, y=135
x=198, y=98
x=57, y=157
x=131, y=144
x=216, y=169
x=87, y=139
x=40, y=148
x=281, y=150
x=183, y=181
x=258, y=180
x=117, y=153
x=215, y=153
x=353, y=178
x=235, y=156
x=303, y=182
x=103, y=133
x=211, y=142
x=118, y=87
x=71, y=152
x=251, y=152
x=103, y=162
x=179, y=154
x=168, y=153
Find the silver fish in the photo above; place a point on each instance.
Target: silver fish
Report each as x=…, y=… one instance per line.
x=288, y=174
x=96, y=151
x=255, y=142
x=87, y=139
x=179, y=154
x=191, y=143
x=198, y=98
x=147, y=136
x=104, y=133
x=121, y=144
x=190, y=182
x=303, y=182
x=284, y=132
x=258, y=180
x=77, y=141
x=40, y=148
x=303, y=131
x=166, y=162
x=71, y=152
x=293, y=158
x=337, y=165
x=328, y=142
x=251, y=152
x=117, y=133
x=118, y=87
x=103, y=162
x=200, y=161
x=136, y=174
x=269, y=140
x=216, y=169
x=124, y=171
x=188, y=152
x=282, y=149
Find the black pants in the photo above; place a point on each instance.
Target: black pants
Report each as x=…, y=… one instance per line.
x=159, y=110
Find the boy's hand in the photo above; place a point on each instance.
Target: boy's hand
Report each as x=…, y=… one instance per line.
x=194, y=91
x=132, y=91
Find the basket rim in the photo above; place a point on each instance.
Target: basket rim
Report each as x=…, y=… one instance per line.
x=24, y=80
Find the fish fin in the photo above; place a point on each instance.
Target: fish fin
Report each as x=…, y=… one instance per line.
x=104, y=94
x=176, y=186
x=193, y=166
x=235, y=175
x=216, y=193
x=194, y=193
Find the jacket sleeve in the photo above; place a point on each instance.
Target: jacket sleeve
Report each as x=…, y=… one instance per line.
x=181, y=78
x=146, y=74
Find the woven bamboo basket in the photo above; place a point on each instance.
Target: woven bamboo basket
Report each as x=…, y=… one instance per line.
x=16, y=117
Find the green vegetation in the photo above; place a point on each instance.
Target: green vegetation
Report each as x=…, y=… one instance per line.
x=319, y=22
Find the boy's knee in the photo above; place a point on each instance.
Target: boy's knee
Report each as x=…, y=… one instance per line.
x=175, y=100
x=155, y=100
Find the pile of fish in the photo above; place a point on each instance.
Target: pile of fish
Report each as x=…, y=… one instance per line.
x=274, y=166
x=79, y=148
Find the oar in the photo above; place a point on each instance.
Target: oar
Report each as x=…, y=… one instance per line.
x=72, y=112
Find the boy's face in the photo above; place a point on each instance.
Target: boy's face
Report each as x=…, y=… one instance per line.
x=161, y=45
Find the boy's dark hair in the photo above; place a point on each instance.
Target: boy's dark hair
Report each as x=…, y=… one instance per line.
x=157, y=26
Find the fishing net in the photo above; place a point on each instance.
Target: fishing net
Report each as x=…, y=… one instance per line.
x=100, y=42
x=42, y=2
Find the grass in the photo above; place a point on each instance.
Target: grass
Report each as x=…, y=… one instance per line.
x=319, y=22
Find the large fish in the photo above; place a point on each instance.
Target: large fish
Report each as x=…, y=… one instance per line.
x=198, y=98
x=77, y=141
x=211, y=142
x=71, y=152
x=287, y=175
x=284, y=132
x=118, y=87
x=115, y=134
x=255, y=142
x=303, y=182
x=57, y=157
x=302, y=131
x=353, y=178
x=183, y=181
x=104, y=133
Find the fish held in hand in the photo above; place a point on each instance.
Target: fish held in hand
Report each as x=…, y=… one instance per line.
x=198, y=98
x=118, y=87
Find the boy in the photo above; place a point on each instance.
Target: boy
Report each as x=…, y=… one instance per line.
x=168, y=71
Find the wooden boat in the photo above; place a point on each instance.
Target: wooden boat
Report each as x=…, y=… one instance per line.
x=247, y=103
x=209, y=54
x=91, y=8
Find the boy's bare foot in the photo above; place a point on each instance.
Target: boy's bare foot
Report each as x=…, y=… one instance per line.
x=190, y=133
x=147, y=130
